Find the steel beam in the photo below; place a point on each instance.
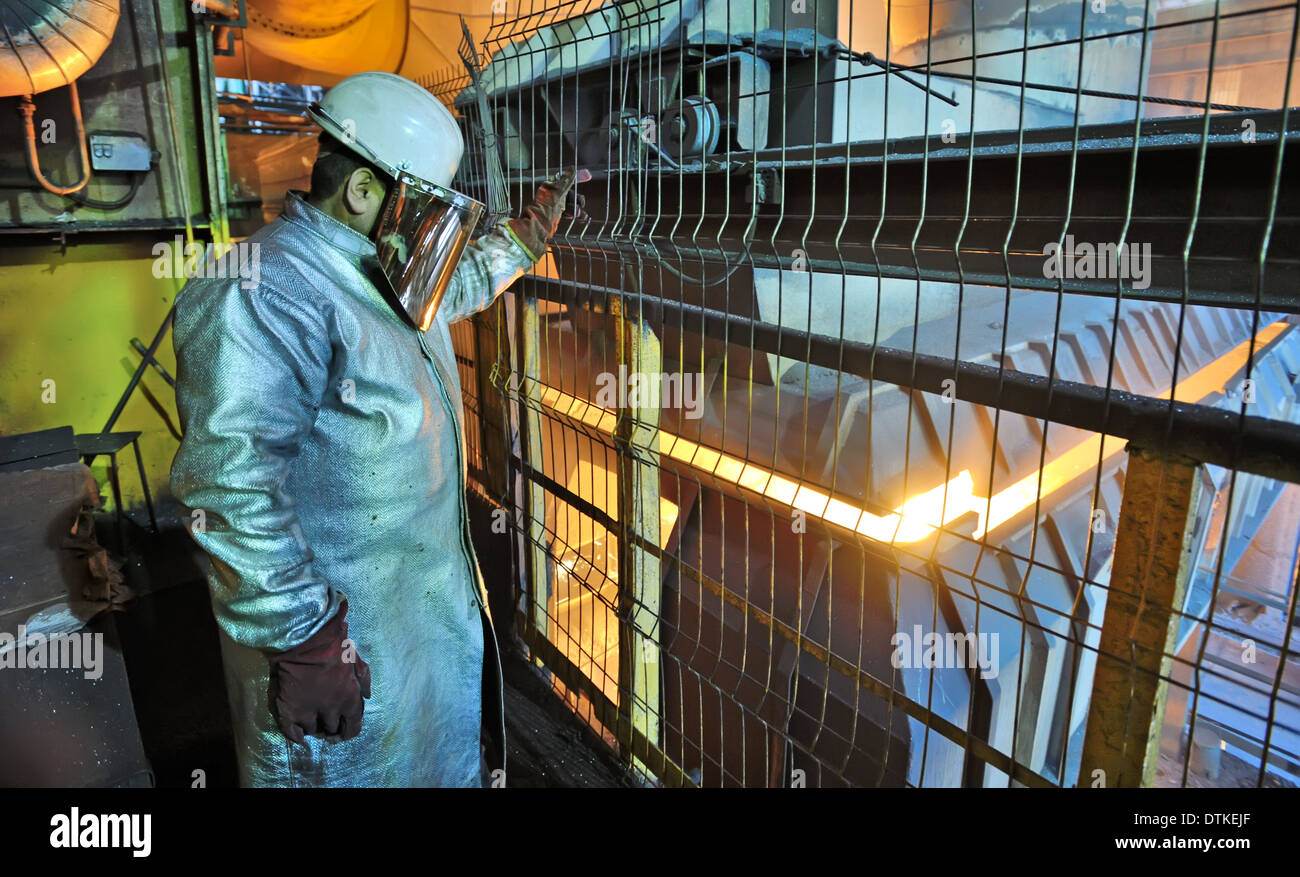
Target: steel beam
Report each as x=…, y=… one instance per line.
x=640, y=579
x=1153, y=548
x=529, y=423
x=839, y=216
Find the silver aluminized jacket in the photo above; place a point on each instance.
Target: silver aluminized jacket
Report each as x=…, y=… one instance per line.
x=322, y=446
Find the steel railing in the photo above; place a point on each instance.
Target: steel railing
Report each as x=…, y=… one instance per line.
x=917, y=426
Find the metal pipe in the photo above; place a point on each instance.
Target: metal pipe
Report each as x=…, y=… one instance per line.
x=177, y=163
x=146, y=359
x=28, y=109
x=138, y=346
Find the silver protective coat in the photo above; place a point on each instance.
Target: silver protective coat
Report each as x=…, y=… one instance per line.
x=322, y=460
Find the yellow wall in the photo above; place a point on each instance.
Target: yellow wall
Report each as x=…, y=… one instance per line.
x=68, y=316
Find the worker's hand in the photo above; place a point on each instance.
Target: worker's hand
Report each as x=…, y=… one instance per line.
x=317, y=689
x=541, y=218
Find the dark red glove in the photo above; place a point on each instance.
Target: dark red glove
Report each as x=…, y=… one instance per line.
x=541, y=218
x=314, y=691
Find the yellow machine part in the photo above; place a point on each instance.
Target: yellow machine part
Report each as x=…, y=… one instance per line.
x=340, y=36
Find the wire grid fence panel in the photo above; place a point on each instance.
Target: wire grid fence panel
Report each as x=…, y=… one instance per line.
x=817, y=422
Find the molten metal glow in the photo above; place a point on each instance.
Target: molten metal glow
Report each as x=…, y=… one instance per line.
x=919, y=517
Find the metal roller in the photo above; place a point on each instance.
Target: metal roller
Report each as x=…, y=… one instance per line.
x=689, y=128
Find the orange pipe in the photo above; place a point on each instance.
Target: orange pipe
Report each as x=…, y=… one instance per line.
x=28, y=109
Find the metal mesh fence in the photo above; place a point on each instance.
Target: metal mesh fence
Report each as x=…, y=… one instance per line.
x=914, y=400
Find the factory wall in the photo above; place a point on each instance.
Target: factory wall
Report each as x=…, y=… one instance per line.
x=67, y=315
x=79, y=281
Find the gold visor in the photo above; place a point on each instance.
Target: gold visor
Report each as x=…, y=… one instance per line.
x=420, y=237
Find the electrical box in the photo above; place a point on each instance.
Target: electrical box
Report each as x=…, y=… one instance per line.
x=112, y=151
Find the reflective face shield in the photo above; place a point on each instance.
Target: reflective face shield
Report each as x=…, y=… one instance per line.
x=419, y=237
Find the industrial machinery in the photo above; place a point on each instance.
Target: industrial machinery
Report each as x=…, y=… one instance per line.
x=920, y=393
x=911, y=402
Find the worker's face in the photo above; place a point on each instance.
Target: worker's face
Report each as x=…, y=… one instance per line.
x=363, y=197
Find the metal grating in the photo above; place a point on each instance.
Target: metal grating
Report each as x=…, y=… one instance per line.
x=974, y=328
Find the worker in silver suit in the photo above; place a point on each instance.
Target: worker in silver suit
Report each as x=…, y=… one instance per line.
x=322, y=469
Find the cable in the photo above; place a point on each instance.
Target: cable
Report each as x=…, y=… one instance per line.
x=137, y=179
x=701, y=282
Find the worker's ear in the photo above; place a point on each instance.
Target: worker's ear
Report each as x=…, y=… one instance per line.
x=363, y=196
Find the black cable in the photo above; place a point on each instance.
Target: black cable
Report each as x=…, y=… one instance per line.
x=137, y=179
x=891, y=67
x=700, y=282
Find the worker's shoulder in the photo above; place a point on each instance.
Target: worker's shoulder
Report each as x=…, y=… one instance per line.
x=209, y=304
x=273, y=265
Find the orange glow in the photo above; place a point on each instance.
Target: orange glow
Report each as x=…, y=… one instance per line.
x=1214, y=377
x=922, y=515
x=667, y=519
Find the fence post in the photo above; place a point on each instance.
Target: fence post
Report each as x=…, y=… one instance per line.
x=1152, y=566
x=536, y=575
x=639, y=574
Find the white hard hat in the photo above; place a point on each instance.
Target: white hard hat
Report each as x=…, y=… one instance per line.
x=394, y=124
x=424, y=225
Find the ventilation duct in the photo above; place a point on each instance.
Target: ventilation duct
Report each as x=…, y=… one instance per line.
x=45, y=45
x=340, y=36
